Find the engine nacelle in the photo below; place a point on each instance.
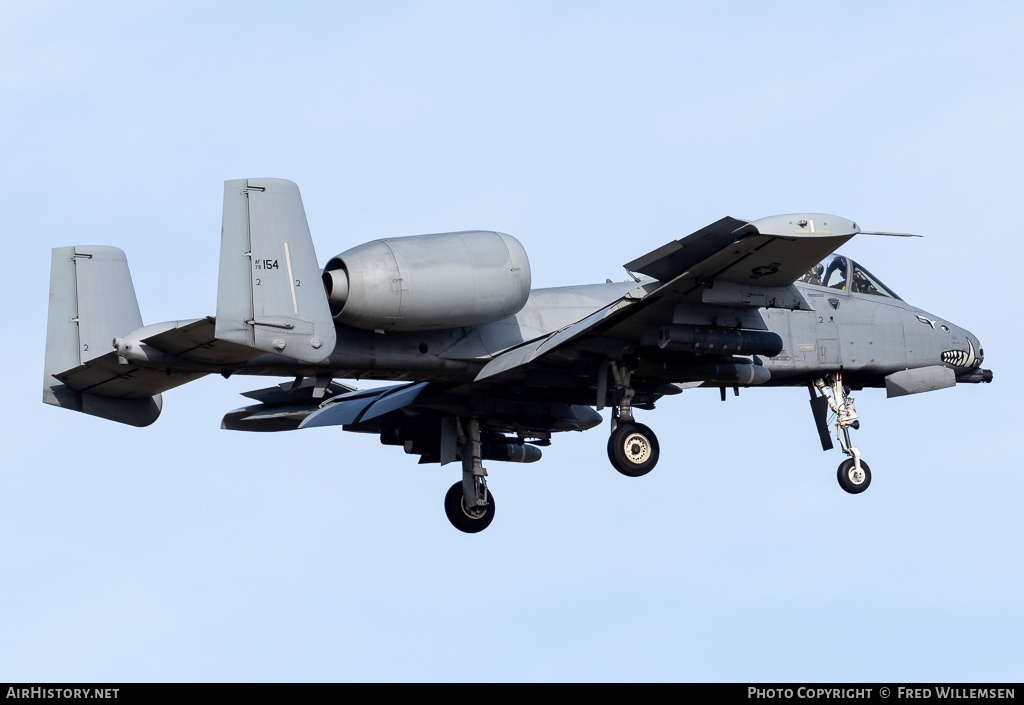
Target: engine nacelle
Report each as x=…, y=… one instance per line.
x=429, y=282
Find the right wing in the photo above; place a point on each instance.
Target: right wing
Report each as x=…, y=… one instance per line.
x=733, y=266
x=769, y=252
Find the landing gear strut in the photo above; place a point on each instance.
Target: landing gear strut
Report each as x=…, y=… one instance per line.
x=468, y=504
x=854, y=474
x=632, y=447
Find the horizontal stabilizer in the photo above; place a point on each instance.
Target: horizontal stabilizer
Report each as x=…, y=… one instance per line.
x=108, y=376
x=194, y=341
x=269, y=295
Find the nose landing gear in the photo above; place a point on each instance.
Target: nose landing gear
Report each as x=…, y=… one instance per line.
x=854, y=474
x=853, y=479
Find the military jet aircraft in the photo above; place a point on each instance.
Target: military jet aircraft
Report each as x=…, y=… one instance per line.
x=488, y=368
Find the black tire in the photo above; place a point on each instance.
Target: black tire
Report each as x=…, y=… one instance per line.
x=470, y=521
x=633, y=449
x=846, y=479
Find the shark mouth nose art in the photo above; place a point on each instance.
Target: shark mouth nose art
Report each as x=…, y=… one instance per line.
x=963, y=358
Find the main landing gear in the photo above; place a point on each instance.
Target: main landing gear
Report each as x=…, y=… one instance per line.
x=632, y=447
x=854, y=475
x=468, y=504
x=468, y=519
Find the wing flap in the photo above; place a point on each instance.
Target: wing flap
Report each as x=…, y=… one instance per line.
x=340, y=413
x=398, y=399
x=285, y=406
x=365, y=405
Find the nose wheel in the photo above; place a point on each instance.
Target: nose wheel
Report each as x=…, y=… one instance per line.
x=853, y=479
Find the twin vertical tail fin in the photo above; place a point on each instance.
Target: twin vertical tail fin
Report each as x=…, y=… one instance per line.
x=92, y=301
x=270, y=296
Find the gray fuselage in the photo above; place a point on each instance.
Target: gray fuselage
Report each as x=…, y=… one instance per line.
x=865, y=336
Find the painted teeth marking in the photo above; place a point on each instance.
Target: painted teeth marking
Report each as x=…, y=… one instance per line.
x=954, y=357
x=962, y=358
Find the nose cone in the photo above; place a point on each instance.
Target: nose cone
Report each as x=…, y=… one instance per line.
x=973, y=340
x=967, y=359
x=968, y=355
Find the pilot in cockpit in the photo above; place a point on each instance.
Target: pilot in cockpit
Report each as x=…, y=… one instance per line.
x=813, y=276
x=861, y=284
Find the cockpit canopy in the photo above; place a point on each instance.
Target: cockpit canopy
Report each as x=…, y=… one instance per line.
x=842, y=273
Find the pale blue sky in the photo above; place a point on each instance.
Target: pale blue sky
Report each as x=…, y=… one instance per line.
x=593, y=132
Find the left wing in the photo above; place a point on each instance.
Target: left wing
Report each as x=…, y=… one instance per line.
x=422, y=417
x=286, y=406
